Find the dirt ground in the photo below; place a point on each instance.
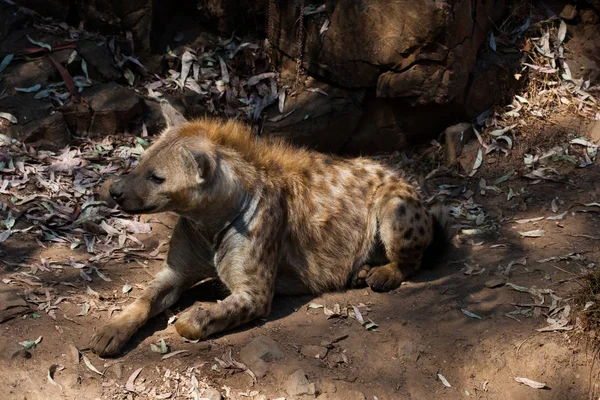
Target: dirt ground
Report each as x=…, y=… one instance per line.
x=497, y=307
x=423, y=331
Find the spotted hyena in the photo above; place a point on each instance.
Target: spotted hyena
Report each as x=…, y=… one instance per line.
x=266, y=218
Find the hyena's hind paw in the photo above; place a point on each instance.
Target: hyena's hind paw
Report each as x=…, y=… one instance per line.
x=385, y=278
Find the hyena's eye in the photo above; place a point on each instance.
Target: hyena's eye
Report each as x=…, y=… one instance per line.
x=156, y=179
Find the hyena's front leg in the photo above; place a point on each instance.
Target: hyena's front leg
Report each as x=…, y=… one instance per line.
x=247, y=266
x=161, y=293
x=249, y=276
x=188, y=262
x=240, y=307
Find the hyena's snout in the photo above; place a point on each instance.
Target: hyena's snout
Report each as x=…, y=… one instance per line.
x=116, y=190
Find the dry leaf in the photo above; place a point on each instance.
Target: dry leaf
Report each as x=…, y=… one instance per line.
x=533, y=234
x=51, y=371
x=525, y=221
x=166, y=356
x=530, y=383
x=470, y=314
x=89, y=364
x=478, y=162
x=444, y=380
x=130, y=385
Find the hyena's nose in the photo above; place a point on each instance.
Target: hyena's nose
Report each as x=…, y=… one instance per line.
x=115, y=190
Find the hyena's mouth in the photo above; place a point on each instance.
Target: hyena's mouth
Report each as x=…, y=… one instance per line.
x=139, y=210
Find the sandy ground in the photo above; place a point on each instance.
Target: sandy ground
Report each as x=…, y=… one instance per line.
x=423, y=334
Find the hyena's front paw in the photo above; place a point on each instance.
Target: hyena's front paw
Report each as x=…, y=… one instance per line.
x=111, y=338
x=190, y=323
x=385, y=278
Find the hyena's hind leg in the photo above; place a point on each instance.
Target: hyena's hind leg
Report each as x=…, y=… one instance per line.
x=406, y=229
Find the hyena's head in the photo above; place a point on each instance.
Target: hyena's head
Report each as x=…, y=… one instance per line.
x=174, y=174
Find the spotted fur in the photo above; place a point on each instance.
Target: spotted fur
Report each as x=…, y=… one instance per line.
x=265, y=218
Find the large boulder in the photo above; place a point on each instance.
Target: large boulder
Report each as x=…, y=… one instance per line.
x=416, y=64
x=109, y=108
x=421, y=51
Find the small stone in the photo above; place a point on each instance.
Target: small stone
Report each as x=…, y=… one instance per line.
x=467, y=156
x=311, y=351
x=297, y=384
x=494, y=283
x=337, y=358
x=258, y=352
x=456, y=137
x=212, y=394
x=569, y=12
x=118, y=370
x=9, y=299
x=73, y=354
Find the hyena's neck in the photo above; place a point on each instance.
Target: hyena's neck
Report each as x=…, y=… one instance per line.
x=235, y=189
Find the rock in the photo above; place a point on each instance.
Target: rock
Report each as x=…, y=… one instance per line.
x=494, y=283
x=466, y=160
x=11, y=304
x=39, y=70
x=118, y=369
x=492, y=82
x=456, y=136
x=77, y=116
x=73, y=354
x=311, y=351
x=135, y=16
x=337, y=358
x=99, y=61
x=589, y=16
x=258, y=353
x=322, y=122
x=427, y=60
x=212, y=394
x=297, y=384
x=115, y=109
x=49, y=133
x=569, y=12
x=231, y=15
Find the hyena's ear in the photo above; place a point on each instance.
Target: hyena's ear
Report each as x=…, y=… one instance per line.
x=201, y=164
